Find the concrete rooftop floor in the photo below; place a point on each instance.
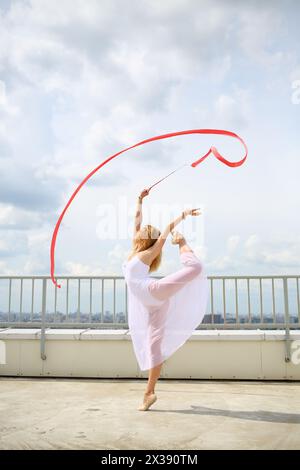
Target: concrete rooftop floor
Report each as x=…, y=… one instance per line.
x=48, y=413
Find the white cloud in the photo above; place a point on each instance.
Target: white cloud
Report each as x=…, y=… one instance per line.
x=6, y=269
x=80, y=269
x=14, y=218
x=252, y=247
x=232, y=243
x=5, y=105
x=283, y=253
x=117, y=255
x=12, y=243
x=283, y=257
x=265, y=256
x=112, y=266
x=256, y=32
x=232, y=110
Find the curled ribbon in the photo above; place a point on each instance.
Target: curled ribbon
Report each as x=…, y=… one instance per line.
x=212, y=150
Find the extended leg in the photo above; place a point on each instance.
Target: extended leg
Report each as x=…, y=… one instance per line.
x=163, y=288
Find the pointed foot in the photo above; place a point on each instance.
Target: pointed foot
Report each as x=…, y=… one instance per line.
x=148, y=401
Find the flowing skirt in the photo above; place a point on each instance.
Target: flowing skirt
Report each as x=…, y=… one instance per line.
x=165, y=318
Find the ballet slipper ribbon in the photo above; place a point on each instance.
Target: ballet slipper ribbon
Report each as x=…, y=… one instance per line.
x=212, y=150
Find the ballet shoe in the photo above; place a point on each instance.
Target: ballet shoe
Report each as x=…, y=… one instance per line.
x=176, y=237
x=148, y=401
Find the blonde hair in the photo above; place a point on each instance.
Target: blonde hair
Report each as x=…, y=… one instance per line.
x=144, y=239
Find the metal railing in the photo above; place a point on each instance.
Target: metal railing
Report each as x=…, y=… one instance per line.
x=238, y=302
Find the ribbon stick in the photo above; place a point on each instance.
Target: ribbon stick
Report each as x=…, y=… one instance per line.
x=172, y=172
x=212, y=150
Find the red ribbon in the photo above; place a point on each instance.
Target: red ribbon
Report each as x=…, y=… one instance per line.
x=212, y=150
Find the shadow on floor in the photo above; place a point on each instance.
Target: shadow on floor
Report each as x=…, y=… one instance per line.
x=258, y=415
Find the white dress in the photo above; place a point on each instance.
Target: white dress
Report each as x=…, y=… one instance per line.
x=162, y=313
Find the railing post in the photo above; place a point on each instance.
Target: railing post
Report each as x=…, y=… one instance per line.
x=287, y=321
x=42, y=341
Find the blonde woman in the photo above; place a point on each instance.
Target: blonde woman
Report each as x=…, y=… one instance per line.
x=162, y=313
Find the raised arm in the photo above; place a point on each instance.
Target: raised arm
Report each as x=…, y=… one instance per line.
x=139, y=211
x=154, y=250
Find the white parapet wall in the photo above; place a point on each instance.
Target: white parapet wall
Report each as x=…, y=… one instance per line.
x=213, y=354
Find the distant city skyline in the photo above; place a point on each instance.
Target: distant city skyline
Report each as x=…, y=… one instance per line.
x=120, y=318
x=96, y=300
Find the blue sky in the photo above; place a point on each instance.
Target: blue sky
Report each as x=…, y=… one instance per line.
x=80, y=80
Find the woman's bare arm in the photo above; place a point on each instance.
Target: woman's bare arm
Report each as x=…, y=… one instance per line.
x=139, y=211
x=150, y=254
